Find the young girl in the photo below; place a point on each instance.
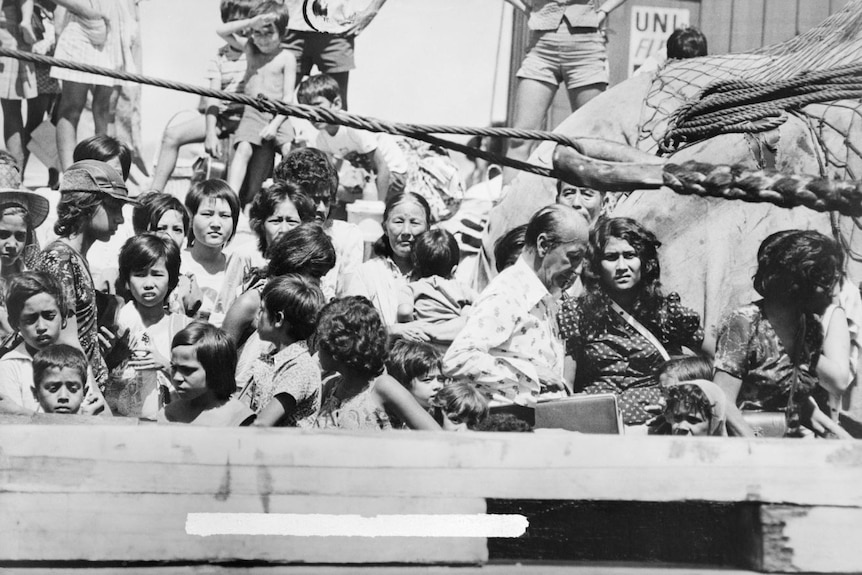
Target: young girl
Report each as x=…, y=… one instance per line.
x=416, y=366
x=772, y=355
x=37, y=312
x=203, y=360
x=162, y=213
x=90, y=210
x=684, y=368
x=285, y=384
x=352, y=341
x=214, y=208
x=149, y=271
x=433, y=295
x=21, y=212
x=696, y=407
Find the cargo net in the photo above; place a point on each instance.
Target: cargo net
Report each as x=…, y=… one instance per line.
x=815, y=77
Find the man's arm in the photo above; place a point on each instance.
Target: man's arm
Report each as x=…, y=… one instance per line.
x=382, y=169
x=470, y=355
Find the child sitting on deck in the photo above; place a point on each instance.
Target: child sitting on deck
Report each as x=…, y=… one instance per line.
x=271, y=72
x=358, y=147
x=353, y=342
x=59, y=378
x=285, y=385
x=433, y=295
x=37, y=312
x=203, y=362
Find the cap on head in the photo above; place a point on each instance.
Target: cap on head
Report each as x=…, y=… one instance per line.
x=98, y=177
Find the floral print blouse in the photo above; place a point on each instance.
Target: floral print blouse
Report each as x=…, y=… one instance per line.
x=612, y=357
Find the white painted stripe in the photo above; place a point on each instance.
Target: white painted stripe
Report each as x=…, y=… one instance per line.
x=314, y=525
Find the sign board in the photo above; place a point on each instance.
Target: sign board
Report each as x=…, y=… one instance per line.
x=650, y=28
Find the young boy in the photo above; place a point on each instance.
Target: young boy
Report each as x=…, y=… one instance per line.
x=359, y=147
x=285, y=387
x=59, y=374
x=271, y=71
x=37, y=312
x=219, y=118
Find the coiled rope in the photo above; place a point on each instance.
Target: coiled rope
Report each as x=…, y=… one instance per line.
x=740, y=106
x=596, y=168
x=314, y=114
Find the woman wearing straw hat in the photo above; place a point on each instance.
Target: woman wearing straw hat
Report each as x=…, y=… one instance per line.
x=21, y=212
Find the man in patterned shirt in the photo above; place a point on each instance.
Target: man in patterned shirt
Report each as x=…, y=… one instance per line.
x=510, y=348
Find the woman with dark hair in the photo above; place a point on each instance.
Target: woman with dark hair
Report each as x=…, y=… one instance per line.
x=623, y=327
x=772, y=355
x=382, y=278
x=90, y=211
x=275, y=211
x=106, y=149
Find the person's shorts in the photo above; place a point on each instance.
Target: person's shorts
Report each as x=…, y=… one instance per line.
x=575, y=55
x=331, y=54
x=227, y=120
x=253, y=121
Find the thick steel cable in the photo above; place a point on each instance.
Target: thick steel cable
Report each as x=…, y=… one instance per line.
x=729, y=182
x=314, y=114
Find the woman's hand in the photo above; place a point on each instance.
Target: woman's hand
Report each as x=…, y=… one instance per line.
x=409, y=331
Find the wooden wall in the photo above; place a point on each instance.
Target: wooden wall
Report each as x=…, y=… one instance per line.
x=729, y=25
x=92, y=496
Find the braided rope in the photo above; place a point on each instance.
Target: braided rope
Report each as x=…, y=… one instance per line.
x=771, y=186
x=314, y=114
x=729, y=182
x=734, y=106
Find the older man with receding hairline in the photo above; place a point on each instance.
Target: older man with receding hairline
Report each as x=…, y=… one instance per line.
x=510, y=347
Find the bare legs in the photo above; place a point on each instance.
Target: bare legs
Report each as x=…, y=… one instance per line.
x=191, y=132
x=533, y=99
x=71, y=105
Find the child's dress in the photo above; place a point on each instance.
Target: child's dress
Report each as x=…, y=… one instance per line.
x=292, y=371
x=125, y=391
x=358, y=412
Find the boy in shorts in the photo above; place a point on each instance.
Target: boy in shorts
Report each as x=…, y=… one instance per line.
x=271, y=71
x=378, y=151
x=220, y=118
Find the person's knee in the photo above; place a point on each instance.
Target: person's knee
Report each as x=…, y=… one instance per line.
x=173, y=138
x=243, y=151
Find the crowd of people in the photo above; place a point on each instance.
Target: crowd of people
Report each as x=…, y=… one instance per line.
x=302, y=327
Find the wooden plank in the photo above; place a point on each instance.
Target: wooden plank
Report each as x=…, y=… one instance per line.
x=555, y=465
x=151, y=527
x=492, y=569
x=746, y=25
x=810, y=13
x=779, y=21
x=715, y=23
x=811, y=540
